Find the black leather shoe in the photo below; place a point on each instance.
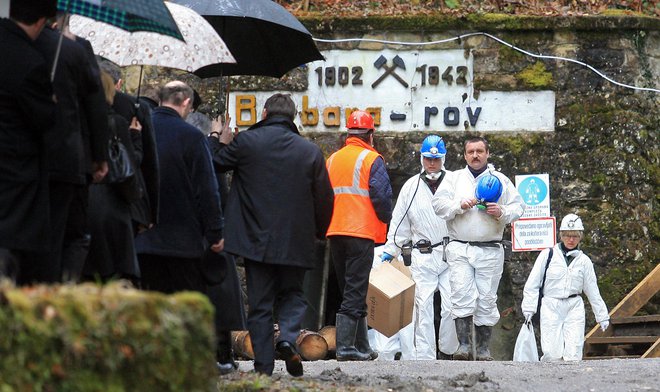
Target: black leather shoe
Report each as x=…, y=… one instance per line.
x=291, y=357
x=226, y=368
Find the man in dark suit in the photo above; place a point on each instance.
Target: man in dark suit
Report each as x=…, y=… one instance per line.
x=280, y=201
x=170, y=252
x=26, y=112
x=79, y=134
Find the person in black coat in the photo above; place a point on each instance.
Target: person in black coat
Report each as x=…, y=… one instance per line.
x=27, y=110
x=224, y=287
x=144, y=212
x=69, y=145
x=190, y=218
x=112, y=252
x=279, y=203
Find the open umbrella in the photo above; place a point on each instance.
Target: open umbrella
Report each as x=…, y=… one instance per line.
x=262, y=35
x=202, y=44
x=130, y=15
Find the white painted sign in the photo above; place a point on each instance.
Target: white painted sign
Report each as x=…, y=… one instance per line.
x=431, y=90
x=535, y=191
x=529, y=234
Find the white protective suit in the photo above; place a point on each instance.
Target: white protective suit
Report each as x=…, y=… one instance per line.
x=562, y=316
x=429, y=271
x=475, y=270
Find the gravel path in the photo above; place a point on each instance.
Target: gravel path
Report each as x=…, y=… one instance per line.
x=602, y=375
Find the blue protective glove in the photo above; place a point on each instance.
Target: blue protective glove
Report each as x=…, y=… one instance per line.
x=386, y=257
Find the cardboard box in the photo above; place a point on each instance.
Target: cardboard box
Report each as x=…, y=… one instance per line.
x=398, y=264
x=390, y=299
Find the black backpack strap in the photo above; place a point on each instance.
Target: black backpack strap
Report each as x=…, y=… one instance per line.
x=547, y=264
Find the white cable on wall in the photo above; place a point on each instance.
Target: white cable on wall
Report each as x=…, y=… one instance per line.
x=501, y=41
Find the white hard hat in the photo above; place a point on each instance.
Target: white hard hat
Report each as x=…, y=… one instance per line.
x=571, y=222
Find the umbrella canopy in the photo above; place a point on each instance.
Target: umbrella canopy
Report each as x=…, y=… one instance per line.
x=130, y=15
x=202, y=44
x=262, y=35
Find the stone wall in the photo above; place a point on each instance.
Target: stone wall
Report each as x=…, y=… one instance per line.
x=602, y=158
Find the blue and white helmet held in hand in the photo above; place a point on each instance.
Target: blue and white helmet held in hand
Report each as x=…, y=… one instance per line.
x=489, y=189
x=433, y=147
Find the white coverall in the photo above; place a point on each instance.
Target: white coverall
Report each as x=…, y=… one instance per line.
x=562, y=318
x=429, y=271
x=475, y=270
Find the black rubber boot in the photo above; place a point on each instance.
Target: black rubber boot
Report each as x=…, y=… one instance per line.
x=483, y=334
x=464, y=335
x=346, y=330
x=362, y=339
x=224, y=354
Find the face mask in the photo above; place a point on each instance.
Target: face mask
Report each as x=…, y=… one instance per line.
x=431, y=176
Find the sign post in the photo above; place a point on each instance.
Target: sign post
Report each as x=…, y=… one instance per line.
x=532, y=234
x=535, y=230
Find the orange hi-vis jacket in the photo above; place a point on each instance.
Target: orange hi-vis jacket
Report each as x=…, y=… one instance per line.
x=353, y=213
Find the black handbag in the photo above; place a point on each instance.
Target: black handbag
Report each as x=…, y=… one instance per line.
x=536, y=319
x=121, y=169
x=120, y=165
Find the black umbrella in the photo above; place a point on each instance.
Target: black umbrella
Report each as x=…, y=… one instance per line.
x=263, y=36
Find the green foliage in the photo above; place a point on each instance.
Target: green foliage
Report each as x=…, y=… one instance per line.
x=453, y=4
x=90, y=338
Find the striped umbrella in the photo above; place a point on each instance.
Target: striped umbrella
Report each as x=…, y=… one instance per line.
x=129, y=15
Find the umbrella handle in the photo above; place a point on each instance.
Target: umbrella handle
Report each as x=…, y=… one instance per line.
x=227, y=100
x=65, y=22
x=137, y=96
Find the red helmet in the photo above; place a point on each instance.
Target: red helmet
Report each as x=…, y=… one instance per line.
x=359, y=122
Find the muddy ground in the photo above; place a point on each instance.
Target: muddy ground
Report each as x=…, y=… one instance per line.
x=630, y=375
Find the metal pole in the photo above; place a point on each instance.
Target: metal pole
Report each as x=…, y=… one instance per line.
x=474, y=340
x=4, y=8
x=324, y=286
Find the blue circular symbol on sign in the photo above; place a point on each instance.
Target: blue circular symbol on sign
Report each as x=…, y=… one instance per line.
x=533, y=190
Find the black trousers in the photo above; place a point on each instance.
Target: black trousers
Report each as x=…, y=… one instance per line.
x=171, y=274
x=272, y=286
x=352, y=258
x=9, y=264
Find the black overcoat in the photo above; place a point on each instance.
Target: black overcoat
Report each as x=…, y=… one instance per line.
x=280, y=198
x=144, y=211
x=69, y=140
x=26, y=111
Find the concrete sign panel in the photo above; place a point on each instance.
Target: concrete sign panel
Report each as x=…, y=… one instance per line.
x=533, y=234
x=431, y=90
x=535, y=191
x=4, y=8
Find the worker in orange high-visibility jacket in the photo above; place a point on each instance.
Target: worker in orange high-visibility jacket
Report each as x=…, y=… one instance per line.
x=362, y=209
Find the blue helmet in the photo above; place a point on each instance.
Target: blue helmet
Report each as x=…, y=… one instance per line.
x=489, y=189
x=433, y=147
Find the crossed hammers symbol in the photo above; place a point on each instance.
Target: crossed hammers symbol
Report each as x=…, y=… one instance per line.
x=381, y=62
